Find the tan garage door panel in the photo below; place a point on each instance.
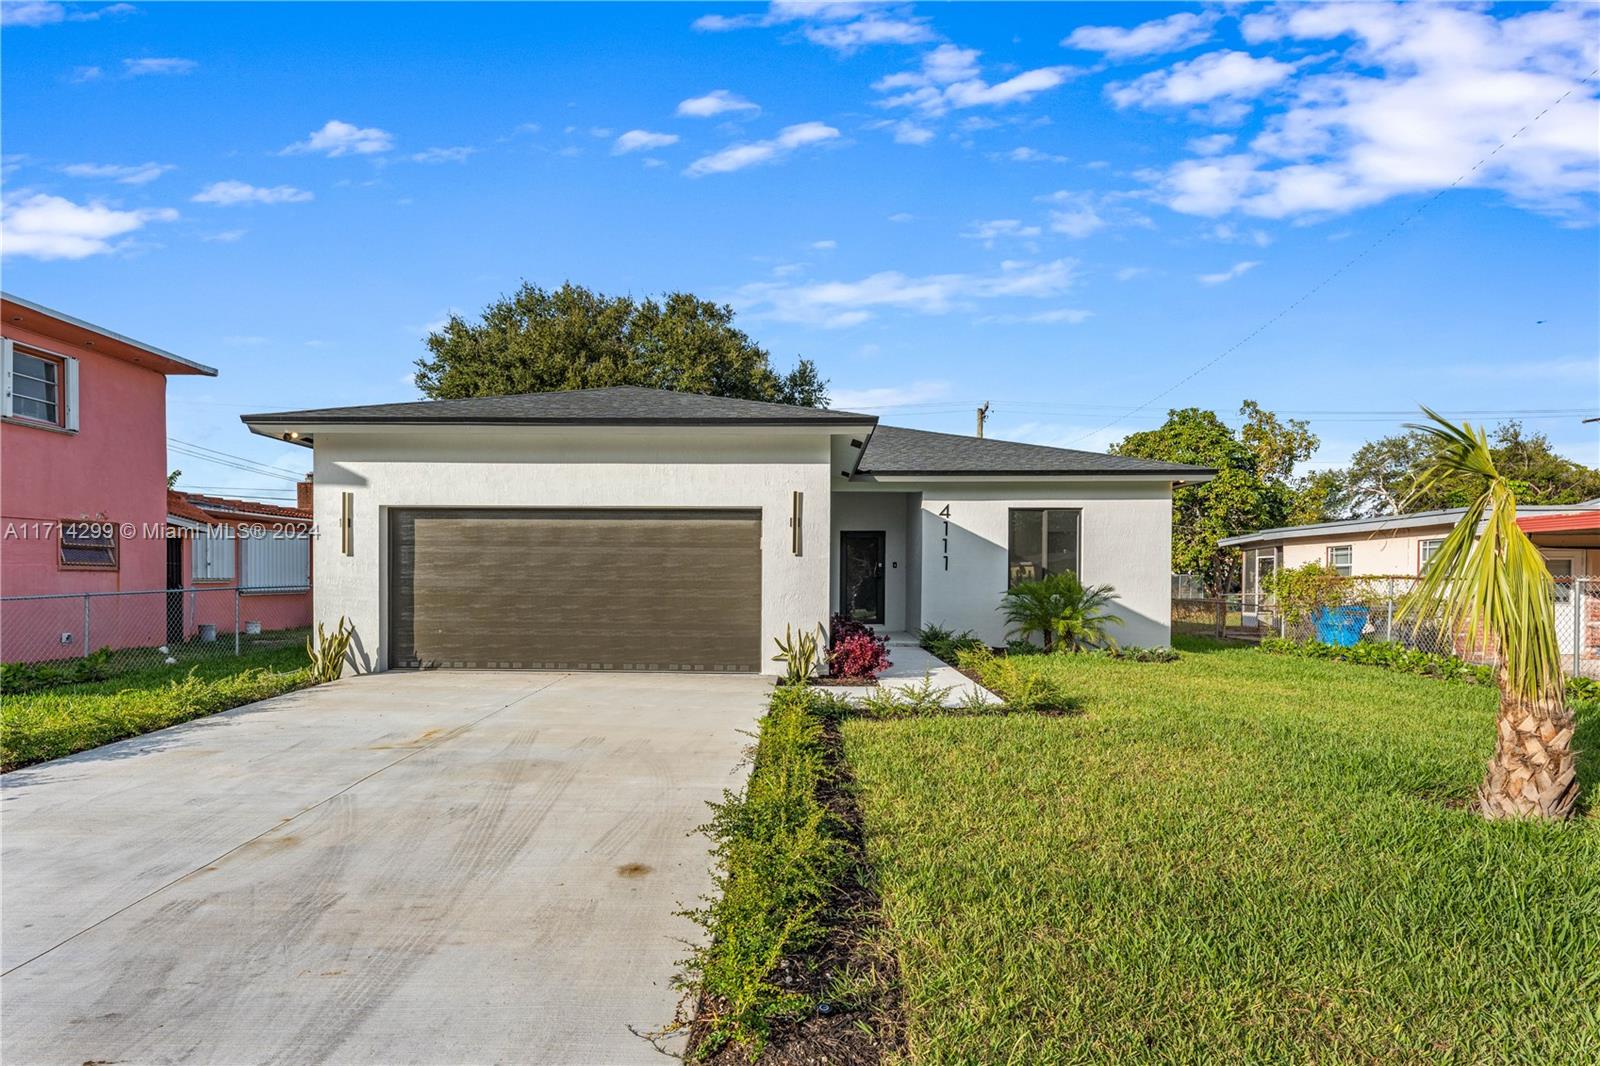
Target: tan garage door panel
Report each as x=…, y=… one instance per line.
x=575, y=590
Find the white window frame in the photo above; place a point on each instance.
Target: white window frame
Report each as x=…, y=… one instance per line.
x=211, y=554
x=1349, y=566
x=66, y=388
x=1427, y=548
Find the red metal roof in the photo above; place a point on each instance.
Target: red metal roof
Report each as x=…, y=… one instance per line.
x=1575, y=522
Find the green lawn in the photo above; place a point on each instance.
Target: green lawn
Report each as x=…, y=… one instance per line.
x=47, y=725
x=1235, y=857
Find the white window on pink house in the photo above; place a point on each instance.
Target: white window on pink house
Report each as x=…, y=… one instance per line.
x=40, y=387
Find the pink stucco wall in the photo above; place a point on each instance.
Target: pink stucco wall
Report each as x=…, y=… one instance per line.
x=112, y=468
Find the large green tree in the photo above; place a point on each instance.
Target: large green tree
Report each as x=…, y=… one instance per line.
x=1385, y=476
x=1255, y=487
x=539, y=340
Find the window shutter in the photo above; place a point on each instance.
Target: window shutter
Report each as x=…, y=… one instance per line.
x=71, y=392
x=7, y=346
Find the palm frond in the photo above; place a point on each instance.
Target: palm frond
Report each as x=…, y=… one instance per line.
x=1495, y=586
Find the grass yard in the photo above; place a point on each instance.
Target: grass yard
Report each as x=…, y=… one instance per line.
x=1235, y=857
x=59, y=721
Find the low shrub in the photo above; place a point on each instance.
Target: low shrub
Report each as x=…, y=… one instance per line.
x=777, y=855
x=1022, y=689
x=1394, y=656
x=327, y=651
x=855, y=651
x=799, y=655
x=911, y=701
x=19, y=678
x=943, y=644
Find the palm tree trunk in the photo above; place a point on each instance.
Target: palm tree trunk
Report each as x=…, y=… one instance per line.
x=1533, y=773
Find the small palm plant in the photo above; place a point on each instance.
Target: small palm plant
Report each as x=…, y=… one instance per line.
x=328, y=650
x=1064, y=611
x=1496, y=588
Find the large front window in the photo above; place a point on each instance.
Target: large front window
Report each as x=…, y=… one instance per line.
x=1044, y=540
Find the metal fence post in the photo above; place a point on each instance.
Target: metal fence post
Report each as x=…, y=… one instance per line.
x=1578, y=591
x=235, y=621
x=1388, y=617
x=86, y=623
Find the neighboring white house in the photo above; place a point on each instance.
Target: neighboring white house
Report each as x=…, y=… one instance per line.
x=638, y=529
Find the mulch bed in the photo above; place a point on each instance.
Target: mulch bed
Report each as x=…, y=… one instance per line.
x=862, y=1034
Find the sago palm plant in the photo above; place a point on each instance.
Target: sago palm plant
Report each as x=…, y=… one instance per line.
x=1062, y=610
x=1496, y=588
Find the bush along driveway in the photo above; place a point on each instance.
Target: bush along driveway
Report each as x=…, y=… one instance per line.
x=62, y=720
x=1235, y=856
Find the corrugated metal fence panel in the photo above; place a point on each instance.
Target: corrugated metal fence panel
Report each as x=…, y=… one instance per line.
x=278, y=561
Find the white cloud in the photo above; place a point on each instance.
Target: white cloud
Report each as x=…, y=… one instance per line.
x=949, y=79
x=877, y=399
x=1080, y=214
x=1025, y=154
x=228, y=193
x=86, y=74
x=824, y=246
x=135, y=68
x=991, y=230
x=1237, y=270
x=1423, y=95
x=337, y=138
x=137, y=174
x=902, y=216
x=837, y=304
x=1071, y=316
x=1171, y=34
x=1211, y=144
x=227, y=236
x=1227, y=232
x=752, y=153
x=41, y=226
x=714, y=103
x=456, y=154
x=907, y=132
x=1129, y=273
x=1213, y=76
x=642, y=141
x=40, y=13
x=844, y=27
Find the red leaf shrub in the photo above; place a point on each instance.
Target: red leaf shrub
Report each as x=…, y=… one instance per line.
x=855, y=651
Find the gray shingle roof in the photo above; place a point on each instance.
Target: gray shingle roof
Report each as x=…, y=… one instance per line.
x=620, y=405
x=893, y=450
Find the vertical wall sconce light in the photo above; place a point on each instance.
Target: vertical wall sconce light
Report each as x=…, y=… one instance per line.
x=796, y=544
x=347, y=512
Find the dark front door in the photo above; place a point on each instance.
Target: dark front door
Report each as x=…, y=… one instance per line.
x=174, y=590
x=861, y=576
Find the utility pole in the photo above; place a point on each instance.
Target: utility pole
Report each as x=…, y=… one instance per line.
x=983, y=416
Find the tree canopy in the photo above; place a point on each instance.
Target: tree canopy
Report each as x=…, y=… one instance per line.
x=539, y=340
x=1255, y=487
x=1384, y=475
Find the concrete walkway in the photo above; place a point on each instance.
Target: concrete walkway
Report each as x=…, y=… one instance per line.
x=909, y=665
x=400, y=868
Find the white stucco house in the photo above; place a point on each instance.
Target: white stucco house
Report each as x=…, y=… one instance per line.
x=638, y=529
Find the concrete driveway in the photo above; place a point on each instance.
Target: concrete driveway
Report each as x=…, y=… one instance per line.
x=399, y=868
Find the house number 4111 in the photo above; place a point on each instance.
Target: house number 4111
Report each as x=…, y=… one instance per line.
x=945, y=514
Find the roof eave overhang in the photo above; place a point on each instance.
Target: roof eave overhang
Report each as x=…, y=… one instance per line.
x=1164, y=477
x=303, y=432
x=65, y=328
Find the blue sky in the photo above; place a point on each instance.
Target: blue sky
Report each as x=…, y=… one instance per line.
x=1066, y=210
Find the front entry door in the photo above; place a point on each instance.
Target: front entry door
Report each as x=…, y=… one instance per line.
x=861, y=576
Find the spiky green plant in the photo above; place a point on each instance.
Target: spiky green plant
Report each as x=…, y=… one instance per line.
x=1494, y=588
x=799, y=655
x=1062, y=610
x=327, y=651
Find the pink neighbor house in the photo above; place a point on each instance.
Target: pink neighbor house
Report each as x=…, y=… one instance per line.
x=218, y=545
x=83, y=454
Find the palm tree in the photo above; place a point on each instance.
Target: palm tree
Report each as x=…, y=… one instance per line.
x=1496, y=588
x=1059, y=607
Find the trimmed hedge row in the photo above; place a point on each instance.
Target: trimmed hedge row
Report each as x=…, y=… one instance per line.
x=1394, y=656
x=778, y=854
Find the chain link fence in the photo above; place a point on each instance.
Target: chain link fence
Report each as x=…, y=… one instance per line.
x=123, y=632
x=1372, y=612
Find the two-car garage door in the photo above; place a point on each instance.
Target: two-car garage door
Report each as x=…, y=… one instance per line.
x=575, y=589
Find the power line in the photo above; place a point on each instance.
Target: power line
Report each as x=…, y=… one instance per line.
x=1396, y=228
x=226, y=459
